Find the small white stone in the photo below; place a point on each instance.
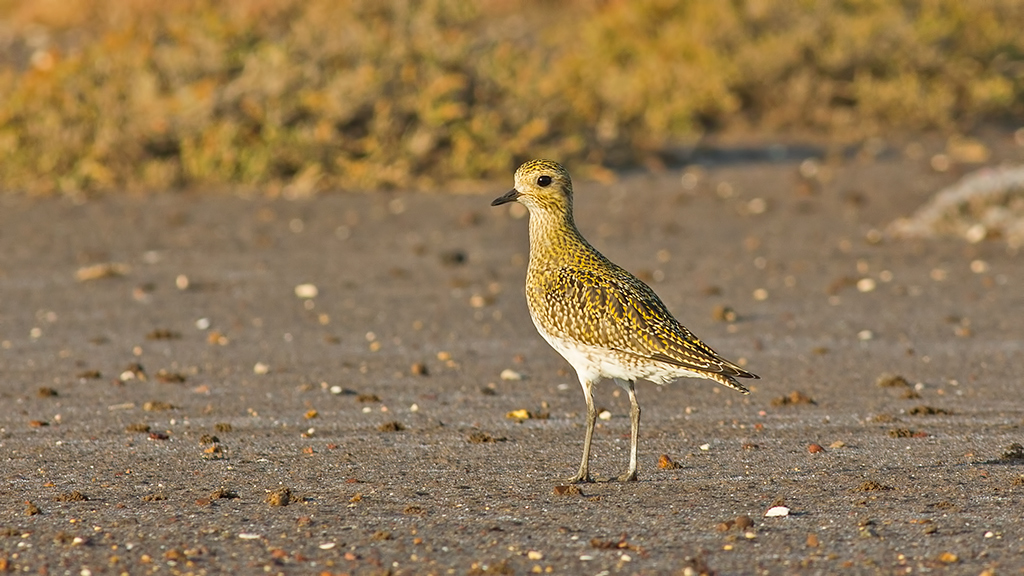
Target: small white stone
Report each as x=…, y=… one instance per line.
x=508, y=374
x=626, y=558
x=327, y=545
x=306, y=291
x=605, y=415
x=414, y=408
x=260, y=368
x=535, y=555
x=865, y=335
x=775, y=511
x=586, y=558
x=203, y=323
x=866, y=284
x=760, y=294
x=248, y=536
x=990, y=534
x=979, y=266
x=705, y=447
x=181, y=282
x=336, y=389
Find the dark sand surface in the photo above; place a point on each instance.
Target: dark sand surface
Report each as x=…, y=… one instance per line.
x=436, y=281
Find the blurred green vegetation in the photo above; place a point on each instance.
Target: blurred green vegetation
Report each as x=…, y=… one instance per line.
x=296, y=96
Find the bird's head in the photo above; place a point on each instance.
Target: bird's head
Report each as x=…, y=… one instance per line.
x=542, y=186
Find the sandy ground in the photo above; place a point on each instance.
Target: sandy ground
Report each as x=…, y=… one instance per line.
x=153, y=419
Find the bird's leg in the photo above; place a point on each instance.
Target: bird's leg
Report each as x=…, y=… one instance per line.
x=588, y=392
x=634, y=436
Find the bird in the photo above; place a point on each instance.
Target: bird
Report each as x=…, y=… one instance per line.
x=604, y=321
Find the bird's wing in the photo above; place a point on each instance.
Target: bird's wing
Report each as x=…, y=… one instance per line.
x=619, y=311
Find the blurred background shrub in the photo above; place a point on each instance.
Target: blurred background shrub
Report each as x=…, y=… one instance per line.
x=297, y=96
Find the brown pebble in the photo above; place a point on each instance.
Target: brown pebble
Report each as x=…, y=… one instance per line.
x=223, y=427
x=89, y=375
x=137, y=428
x=743, y=522
x=157, y=406
x=163, y=334
x=419, y=369
x=38, y=423
x=812, y=541
x=158, y=436
x=666, y=463
x=31, y=509
x=381, y=535
x=725, y=526
x=208, y=439
x=154, y=497
x=901, y=433
x=815, y=448
x=367, y=398
x=73, y=496
x=46, y=392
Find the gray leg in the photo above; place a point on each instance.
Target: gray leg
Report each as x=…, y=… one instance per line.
x=588, y=392
x=634, y=436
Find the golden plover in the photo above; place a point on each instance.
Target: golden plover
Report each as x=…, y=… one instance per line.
x=603, y=320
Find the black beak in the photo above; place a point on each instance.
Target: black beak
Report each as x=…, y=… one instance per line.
x=510, y=196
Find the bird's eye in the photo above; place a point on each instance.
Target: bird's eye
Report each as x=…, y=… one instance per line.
x=544, y=181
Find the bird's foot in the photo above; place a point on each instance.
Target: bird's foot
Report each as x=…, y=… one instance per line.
x=628, y=477
x=581, y=478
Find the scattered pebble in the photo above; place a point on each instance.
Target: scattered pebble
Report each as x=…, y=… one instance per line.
x=812, y=541
x=866, y=284
x=260, y=368
x=327, y=545
x=776, y=511
x=508, y=374
x=419, y=369
x=604, y=415
x=249, y=536
x=815, y=448
x=306, y=291
x=535, y=555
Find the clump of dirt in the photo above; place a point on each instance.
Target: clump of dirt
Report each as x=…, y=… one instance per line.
x=393, y=426
x=280, y=497
x=1013, y=453
x=928, y=411
x=73, y=496
x=481, y=437
x=889, y=380
x=792, y=399
x=871, y=486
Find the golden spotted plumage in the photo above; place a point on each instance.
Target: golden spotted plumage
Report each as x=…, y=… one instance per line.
x=606, y=322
